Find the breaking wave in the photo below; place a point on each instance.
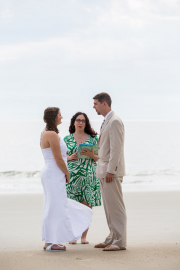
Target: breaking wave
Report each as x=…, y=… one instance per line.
x=37, y=174
x=18, y=174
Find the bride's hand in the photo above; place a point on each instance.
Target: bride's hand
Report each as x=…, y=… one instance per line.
x=67, y=178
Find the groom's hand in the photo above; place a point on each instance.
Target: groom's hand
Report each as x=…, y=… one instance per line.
x=109, y=177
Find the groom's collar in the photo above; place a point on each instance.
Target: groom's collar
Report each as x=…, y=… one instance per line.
x=105, y=117
x=109, y=115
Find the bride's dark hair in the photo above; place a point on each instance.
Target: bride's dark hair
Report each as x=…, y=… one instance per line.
x=88, y=129
x=50, y=115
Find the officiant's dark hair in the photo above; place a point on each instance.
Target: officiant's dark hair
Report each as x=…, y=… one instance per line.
x=101, y=97
x=50, y=115
x=88, y=129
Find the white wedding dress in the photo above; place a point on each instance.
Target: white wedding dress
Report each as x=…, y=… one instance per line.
x=63, y=219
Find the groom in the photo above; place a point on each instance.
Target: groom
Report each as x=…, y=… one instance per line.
x=110, y=171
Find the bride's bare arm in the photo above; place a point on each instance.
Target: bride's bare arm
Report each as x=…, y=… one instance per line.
x=54, y=143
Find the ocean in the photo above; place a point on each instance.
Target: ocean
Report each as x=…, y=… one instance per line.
x=152, y=155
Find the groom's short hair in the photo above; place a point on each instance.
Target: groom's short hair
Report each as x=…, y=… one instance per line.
x=101, y=97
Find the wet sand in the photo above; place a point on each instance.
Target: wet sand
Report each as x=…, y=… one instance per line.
x=153, y=235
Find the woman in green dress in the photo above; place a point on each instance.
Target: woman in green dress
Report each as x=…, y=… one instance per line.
x=83, y=187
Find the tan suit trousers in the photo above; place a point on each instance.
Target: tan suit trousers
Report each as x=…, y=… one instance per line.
x=115, y=211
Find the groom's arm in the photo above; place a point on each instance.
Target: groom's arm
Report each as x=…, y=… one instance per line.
x=116, y=139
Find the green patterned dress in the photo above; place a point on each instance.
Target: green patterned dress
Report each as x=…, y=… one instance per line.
x=83, y=185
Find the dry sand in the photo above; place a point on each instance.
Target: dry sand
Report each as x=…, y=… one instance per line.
x=153, y=236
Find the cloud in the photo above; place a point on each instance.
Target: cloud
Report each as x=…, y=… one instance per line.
x=138, y=13
x=68, y=49
x=6, y=16
x=133, y=43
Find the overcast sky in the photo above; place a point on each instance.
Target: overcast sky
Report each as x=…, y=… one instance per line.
x=62, y=53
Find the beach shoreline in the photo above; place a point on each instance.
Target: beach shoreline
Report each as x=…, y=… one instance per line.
x=153, y=235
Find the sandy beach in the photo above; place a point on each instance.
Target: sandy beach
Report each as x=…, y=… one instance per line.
x=153, y=235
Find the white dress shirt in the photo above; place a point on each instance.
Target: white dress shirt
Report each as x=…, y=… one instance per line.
x=107, y=115
x=105, y=118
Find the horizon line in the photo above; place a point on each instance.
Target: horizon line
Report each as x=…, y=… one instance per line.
x=97, y=120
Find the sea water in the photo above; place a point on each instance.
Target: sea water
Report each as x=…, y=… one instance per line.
x=152, y=155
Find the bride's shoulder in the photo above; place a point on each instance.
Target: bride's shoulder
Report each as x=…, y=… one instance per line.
x=50, y=133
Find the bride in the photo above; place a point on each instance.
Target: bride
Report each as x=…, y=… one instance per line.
x=64, y=220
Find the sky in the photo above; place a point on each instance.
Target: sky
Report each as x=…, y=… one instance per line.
x=62, y=53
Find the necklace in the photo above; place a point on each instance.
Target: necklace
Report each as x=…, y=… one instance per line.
x=80, y=137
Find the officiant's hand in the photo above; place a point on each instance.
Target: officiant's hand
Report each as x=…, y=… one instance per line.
x=73, y=156
x=88, y=153
x=109, y=177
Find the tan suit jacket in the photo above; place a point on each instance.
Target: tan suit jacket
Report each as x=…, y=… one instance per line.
x=111, y=148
